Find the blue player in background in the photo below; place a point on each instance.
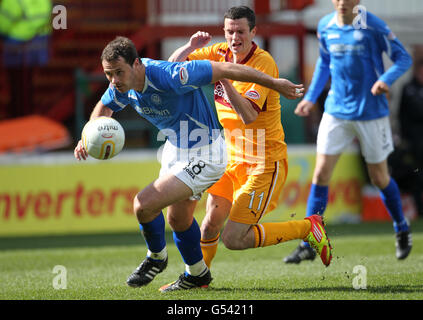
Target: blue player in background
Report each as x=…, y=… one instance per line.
x=351, y=45
x=194, y=155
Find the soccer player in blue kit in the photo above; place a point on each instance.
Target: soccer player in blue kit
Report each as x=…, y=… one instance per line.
x=194, y=155
x=351, y=47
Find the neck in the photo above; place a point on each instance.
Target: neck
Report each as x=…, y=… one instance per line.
x=346, y=20
x=237, y=58
x=139, y=77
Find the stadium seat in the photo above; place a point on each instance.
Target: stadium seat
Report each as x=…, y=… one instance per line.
x=32, y=134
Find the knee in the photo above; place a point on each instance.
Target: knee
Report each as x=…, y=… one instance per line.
x=142, y=209
x=232, y=241
x=174, y=223
x=380, y=180
x=179, y=223
x=209, y=229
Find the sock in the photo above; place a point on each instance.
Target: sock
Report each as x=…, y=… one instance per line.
x=316, y=203
x=154, y=235
x=198, y=269
x=317, y=200
x=209, y=249
x=392, y=198
x=162, y=255
x=188, y=244
x=267, y=234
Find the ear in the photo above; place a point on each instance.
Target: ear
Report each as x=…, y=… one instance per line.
x=254, y=31
x=136, y=63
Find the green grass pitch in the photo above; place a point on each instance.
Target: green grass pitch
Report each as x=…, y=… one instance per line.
x=98, y=265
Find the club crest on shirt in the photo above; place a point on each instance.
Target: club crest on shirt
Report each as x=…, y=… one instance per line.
x=155, y=99
x=358, y=35
x=183, y=75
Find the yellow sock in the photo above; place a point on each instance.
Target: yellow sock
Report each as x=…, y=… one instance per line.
x=267, y=234
x=209, y=248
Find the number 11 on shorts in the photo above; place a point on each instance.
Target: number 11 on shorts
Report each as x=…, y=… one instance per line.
x=252, y=196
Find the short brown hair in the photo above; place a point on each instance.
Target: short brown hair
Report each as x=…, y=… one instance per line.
x=240, y=12
x=120, y=47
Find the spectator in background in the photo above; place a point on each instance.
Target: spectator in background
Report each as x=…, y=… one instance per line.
x=24, y=29
x=411, y=128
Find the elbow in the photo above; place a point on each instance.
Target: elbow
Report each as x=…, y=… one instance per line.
x=249, y=119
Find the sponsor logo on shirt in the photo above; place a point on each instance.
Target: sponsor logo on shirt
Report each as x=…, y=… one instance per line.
x=183, y=75
x=334, y=36
x=252, y=94
x=342, y=48
x=220, y=94
x=152, y=112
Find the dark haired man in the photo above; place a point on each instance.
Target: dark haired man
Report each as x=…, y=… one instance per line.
x=169, y=96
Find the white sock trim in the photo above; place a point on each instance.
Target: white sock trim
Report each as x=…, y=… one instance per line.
x=197, y=269
x=158, y=255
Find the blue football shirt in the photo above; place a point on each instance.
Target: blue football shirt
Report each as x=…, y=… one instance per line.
x=352, y=58
x=173, y=101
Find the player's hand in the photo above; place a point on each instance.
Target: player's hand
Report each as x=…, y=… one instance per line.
x=199, y=39
x=288, y=89
x=303, y=108
x=80, y=152
x=379, y=88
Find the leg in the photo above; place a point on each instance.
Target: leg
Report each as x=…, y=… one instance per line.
x=187, y=235
x=158, y=195
x=217, y=211
x=391, y=196
x=318, y=197
x=390, y=193
x=239, y=236
x=148, y=205
x=316, y=203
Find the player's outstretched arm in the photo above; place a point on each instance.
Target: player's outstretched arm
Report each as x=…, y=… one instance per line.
x=197, y=40
x=227, y=70
x=99, y=110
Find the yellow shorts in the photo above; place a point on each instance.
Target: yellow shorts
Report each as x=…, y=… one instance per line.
x=252, y=196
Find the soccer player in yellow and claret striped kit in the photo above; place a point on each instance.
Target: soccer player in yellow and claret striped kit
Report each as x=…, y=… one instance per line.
x=251, y=117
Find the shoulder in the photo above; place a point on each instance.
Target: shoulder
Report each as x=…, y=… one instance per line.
x=219, y=48
x=262, y=56
x=326, y=22
x=154, y=64
x=376, y=24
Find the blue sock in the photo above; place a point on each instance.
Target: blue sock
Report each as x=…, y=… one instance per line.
x=316, y=203
x=188, y=243
x=392, y=198
x=154, y=233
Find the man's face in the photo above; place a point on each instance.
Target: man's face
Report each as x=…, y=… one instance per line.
x=345, y=7
x=239, y=36
x=119, y=73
